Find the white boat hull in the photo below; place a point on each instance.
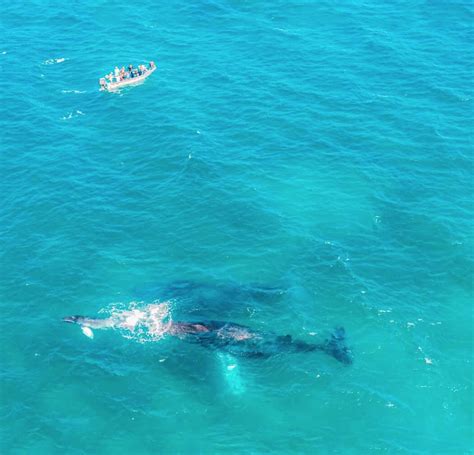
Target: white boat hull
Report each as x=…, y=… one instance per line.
x=114, y=86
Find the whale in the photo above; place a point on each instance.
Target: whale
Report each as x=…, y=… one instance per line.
x=242, y=341
x=232, y=338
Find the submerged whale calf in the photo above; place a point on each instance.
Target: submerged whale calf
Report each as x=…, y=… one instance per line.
x=236, y=339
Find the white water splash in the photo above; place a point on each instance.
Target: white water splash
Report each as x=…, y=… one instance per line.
x=142, y=322
x=426, y=359
x=72, y=115
x=54, y=61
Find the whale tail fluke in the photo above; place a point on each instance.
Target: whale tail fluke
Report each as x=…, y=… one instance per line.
x=336, y=346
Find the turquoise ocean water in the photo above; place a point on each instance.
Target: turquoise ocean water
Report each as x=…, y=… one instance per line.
x=291, y=166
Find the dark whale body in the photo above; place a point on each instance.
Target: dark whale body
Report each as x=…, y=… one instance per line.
x=240, y=340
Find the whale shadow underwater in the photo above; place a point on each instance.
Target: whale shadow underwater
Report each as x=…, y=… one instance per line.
x=235, y=339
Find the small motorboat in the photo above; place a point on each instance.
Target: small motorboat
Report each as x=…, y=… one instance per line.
x=114, y=86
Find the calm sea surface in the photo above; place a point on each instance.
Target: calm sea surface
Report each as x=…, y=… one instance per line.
x=291, y=166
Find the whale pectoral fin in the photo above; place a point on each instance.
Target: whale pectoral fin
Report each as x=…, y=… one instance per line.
x=231, y=372
x=87, y=331
x=339, y=333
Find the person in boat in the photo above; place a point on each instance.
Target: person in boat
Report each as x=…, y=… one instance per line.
x=130, y=70
x=103, y=83
x=152, y=65
x=117, y=74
